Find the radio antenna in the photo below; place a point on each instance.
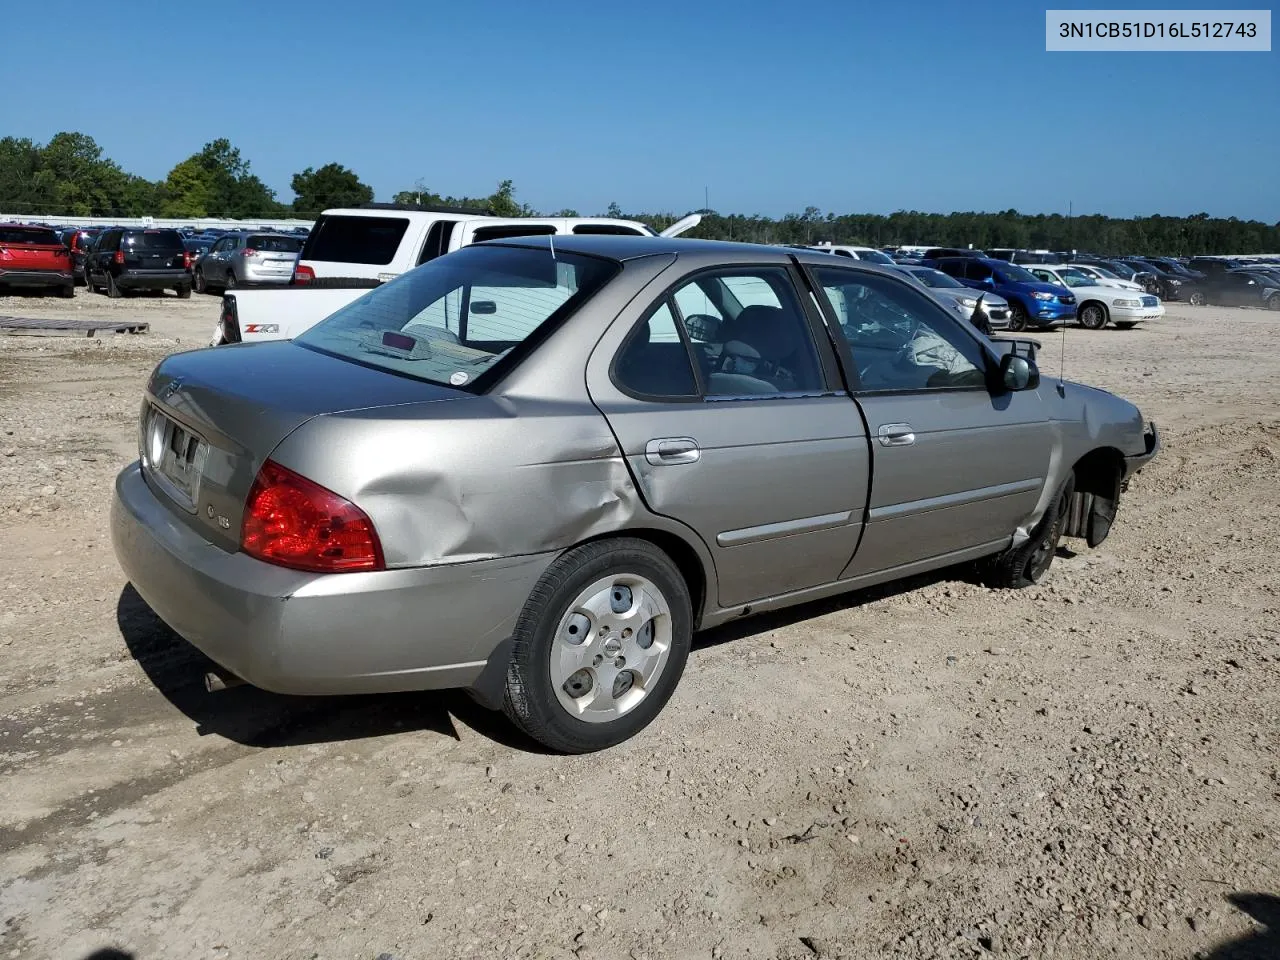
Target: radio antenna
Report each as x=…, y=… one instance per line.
x=1062, y=364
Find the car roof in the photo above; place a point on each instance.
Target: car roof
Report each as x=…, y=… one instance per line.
x=623, y=248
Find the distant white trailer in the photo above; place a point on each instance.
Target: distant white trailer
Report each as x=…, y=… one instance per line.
x=200, y=223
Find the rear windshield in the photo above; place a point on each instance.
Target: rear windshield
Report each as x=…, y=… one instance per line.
x=29, y=235
x=275, y=244
x=342, y=239
x=154, y=240
x=458, y=318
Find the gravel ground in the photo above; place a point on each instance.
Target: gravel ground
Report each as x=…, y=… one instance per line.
x=1088, y=768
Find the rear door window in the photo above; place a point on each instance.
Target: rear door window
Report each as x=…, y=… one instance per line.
x=973, y=270
x=348, y=239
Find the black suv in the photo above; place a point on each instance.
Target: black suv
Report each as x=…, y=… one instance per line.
x=125, y=259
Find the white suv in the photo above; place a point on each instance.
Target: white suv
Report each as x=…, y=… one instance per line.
x=380, y=241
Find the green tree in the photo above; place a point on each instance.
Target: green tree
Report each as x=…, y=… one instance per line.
x=228, y=188
x=333, y=185
x=22, y=189
x=188, y=190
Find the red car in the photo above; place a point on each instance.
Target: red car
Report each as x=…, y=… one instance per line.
x=35, y=257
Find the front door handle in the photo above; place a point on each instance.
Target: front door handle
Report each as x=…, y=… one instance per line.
x=669, y=450
x=896, y=435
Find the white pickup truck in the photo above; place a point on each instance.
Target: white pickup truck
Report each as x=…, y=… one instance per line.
x=349, y=251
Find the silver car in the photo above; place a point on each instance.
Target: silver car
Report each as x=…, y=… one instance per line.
x=533, y=468
x=963, y=300
x=247, y=259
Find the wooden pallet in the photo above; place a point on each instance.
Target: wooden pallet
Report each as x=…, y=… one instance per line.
x=32, y=327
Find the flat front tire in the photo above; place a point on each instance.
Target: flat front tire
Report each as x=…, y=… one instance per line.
x=599, y=647
x=1025, y=565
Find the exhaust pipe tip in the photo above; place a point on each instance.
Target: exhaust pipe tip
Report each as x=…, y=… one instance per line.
x=213, y=681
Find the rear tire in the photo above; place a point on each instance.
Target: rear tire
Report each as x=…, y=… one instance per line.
x=1025, y=565
x=184, y=292
x=1273, y=302
x=67, y=291
x=1093, y=316
x=1196, y=298
x=576, y=682
x=113, y=290
x=199, y=282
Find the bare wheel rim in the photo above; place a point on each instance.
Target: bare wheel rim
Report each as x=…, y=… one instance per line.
x=610, y=648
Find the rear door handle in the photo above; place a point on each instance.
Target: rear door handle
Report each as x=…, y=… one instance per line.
x=896, y=435
x=670, y=450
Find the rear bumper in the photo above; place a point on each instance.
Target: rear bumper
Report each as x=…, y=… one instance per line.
x=36, y=278
x=292, y=632
x=258, y=276
x=152, y=279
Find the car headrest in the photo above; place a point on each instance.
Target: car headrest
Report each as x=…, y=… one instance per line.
x=766, y=329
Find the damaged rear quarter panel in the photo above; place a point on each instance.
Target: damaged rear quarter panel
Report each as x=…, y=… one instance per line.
x=471, y=479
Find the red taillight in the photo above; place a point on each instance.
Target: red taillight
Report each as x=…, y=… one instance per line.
x=248, y=252
x=303, y=274
x=119, y=257
x=292, y=522
x=186, y=260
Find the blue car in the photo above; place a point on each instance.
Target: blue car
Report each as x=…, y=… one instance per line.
x=1032, y=303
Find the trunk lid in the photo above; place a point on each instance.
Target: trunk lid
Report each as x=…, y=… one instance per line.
x=211, y=417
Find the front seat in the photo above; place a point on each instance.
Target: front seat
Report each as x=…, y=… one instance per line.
x=778, y=338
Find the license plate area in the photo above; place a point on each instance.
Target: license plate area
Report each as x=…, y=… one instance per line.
x=176, y=459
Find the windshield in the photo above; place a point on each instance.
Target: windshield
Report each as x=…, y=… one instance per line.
x=874, y=256
x=1012, y=273
x=1123, y=270
x=456, y=317
x=1104, y=273
x=935, y=278
x=1075, y=278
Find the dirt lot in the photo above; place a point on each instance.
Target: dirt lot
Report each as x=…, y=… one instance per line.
x=1085, y=769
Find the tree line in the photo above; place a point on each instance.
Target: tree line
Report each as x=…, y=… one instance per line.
x=71, y=176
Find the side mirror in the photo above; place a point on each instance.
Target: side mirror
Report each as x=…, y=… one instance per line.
x=1018, y=373
x=484, y=306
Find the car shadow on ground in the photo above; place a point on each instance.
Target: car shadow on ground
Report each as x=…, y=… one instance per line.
x=254, y=717
x=259, y=718
x=1262, y=944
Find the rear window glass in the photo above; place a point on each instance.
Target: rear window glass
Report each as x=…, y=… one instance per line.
x=504, y=233
x=154, y=240
x=28, y=235
x=342, y=239
x=274, y=244
x=459, y=318
x=607, y=229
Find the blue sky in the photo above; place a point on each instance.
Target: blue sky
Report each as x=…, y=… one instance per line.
x=864, y=107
